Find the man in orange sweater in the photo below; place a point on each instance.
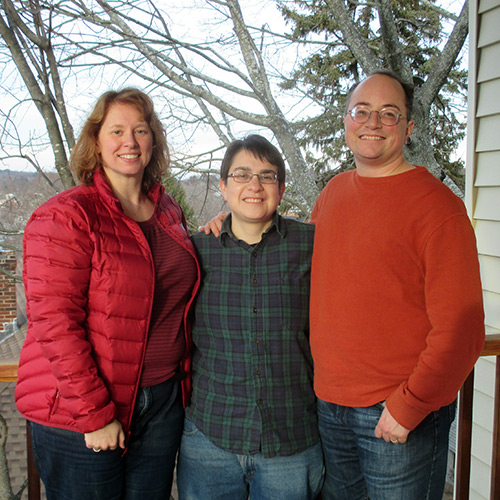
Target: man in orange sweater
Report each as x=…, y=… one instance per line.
x=397, y=320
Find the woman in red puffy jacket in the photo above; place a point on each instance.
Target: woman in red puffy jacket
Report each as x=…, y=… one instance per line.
x=109, y=275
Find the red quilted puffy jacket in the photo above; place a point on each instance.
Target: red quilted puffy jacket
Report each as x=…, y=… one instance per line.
x=89, y=282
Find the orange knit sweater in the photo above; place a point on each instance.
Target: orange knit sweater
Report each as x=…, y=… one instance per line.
x=396, y=301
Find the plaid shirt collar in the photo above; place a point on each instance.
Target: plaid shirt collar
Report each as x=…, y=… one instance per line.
x=277, y=224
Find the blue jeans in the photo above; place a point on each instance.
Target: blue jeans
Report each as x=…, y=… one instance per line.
x=360, y=466
x=206, y=472
x=71, y=471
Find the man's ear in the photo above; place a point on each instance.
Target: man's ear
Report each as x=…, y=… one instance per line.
x=409, y=130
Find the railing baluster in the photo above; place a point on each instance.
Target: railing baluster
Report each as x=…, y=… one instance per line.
x=495, y=462
x=462, y=475
x=33, y=477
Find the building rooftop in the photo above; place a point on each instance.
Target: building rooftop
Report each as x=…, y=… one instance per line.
x=15, y=447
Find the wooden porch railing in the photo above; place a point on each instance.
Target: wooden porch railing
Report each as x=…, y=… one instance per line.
x=464, y=437
x=8, y=373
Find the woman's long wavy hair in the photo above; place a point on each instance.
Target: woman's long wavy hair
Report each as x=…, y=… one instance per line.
x=85, y=160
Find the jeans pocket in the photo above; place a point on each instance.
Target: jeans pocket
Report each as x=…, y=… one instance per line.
x=190, y=428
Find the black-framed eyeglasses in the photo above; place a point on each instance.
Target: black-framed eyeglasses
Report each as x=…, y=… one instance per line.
x=387, y=116
x=244, y=177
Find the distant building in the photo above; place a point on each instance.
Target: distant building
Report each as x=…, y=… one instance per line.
x=16, y=438
x=11, y=340
x=8, y=304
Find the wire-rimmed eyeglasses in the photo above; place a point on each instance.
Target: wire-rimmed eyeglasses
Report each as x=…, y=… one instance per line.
x=387, y=116
x=244, y=176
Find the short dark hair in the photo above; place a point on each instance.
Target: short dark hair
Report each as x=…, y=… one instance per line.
x=258, y=146
x=408, y=89
x=85, y=159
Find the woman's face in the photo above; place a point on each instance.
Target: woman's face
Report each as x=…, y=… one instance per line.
x=254, y=202
x=124, y=143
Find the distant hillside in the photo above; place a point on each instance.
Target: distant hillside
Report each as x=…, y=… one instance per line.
x=15, y=173
x=22, y=192
x=9, y=178
x=15, y=181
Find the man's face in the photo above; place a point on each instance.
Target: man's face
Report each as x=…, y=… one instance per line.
x=377, y=147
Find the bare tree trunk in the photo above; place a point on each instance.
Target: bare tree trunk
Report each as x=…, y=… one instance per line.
x=5, y=485
x=147, y=49
x=420, y=151
x=303, y=177
x=12, y=30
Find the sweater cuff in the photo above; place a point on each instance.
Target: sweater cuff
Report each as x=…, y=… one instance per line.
x=407, y=416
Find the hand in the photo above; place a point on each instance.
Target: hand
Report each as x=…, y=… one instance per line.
x=214, y=226
x=108, y=438
x=388, y=429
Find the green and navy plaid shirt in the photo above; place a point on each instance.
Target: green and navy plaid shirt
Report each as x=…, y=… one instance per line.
x=252, y=365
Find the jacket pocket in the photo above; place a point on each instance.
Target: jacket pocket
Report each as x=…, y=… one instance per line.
x=54, y=405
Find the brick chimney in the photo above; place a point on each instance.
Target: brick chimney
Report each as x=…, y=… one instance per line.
x=8, y=307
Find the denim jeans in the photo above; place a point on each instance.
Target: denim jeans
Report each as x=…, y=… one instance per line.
x=71, y=471
x=360, y=466
x=206, y=472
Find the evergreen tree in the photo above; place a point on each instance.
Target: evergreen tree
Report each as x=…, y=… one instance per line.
x=407, y=37
x=174, y=188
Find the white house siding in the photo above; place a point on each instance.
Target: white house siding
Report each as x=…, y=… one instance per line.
x=483, y=203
